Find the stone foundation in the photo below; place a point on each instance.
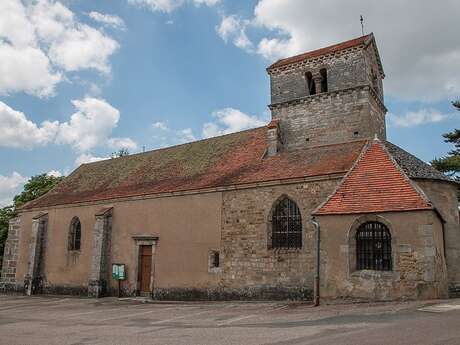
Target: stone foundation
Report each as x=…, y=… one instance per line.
x=253, y=293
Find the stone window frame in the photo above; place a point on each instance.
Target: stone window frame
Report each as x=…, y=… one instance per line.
x=270, y=228
x=352, y=271
x=71, y=238
x=211, y=255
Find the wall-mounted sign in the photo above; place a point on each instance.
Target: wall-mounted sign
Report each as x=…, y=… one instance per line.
x=118, y=271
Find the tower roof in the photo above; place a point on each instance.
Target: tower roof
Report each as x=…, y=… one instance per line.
x=363, y=40
x=375, y=184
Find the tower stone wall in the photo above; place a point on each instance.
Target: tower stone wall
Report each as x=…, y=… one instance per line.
x=329, y=99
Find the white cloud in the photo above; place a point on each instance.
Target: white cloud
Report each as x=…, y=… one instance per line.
x=90, y=126
x=122, y=143
x=10, y=186
x=209, y=3
x=19, y=132
x=232, y=28
x=26, y=69
x=160, y=125
x=230, y=120
x=420, y=59
x=108, y=19
x=415, y=118
x=41, y=40
x=158, y=5
x=88, y=158
x=54, y=173
x=185, y=135
x=170, y=5
x=83, y=48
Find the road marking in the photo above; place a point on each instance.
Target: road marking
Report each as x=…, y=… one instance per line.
x=279, y=308
x=125, y=316
x=235, y=319
x=94, y=312
x=134, y=315
x=178, y=317
x=440, y=308
x=32, y=304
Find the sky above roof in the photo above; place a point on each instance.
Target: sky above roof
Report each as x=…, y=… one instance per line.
x=80, y=79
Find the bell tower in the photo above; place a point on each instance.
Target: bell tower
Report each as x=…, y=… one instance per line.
x=327, y=96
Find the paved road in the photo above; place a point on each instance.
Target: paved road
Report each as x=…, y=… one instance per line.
x=74, y=321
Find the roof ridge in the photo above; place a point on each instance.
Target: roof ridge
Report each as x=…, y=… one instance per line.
x=358, y=159
x=177, y=145
x=340, y=202
x=327, y=49
x=404, y=174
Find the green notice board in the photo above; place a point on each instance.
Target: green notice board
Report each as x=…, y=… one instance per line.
x=118, y=271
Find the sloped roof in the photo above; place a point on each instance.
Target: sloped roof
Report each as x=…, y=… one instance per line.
x=414, y=167
x=375, y=184
x=227, y=160
x=323, y=51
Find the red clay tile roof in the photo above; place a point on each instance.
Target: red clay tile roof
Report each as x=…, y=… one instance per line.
x=323, y=51
x=375, y=184
x=217, y=162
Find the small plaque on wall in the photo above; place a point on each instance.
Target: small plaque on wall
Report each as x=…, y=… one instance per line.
x=118, y=271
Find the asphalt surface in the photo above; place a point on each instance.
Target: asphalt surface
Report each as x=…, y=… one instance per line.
x=79, y=321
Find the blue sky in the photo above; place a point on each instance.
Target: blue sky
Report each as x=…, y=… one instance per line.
x=82, y=78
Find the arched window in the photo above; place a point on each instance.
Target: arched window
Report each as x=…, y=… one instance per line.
x=311, y=87
x=286, y=229
x=375, y=81
x=75, y=234
x=323, y=73
x=373, y=247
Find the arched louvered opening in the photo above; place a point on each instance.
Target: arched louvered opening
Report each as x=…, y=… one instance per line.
x=324, y=84
x=311, y=87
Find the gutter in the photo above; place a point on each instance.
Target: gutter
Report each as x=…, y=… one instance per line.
x=317, y=265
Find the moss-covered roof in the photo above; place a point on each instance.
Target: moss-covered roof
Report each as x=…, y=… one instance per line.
x=228, y=160
x=216, y=162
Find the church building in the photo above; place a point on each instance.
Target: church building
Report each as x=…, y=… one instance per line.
x=230, y=217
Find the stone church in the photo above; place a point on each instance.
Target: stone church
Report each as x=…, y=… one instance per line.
x=230, y=217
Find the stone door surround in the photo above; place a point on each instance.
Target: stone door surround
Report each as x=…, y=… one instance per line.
x=144, y=240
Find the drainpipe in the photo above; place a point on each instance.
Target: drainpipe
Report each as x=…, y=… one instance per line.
x=318, y=237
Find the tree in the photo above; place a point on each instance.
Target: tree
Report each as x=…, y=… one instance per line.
x=34, y=188
x=450, y=164
x=120, y=153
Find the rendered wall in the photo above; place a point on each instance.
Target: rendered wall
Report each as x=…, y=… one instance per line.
x=188, y=227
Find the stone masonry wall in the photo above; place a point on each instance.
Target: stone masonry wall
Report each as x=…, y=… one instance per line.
x=419, y=268
x=10, y=257
x=329, y=118
x=343, y=71
x=444, y=197
x=248, y=265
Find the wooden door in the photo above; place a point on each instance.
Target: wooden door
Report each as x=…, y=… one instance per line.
x=146, y=267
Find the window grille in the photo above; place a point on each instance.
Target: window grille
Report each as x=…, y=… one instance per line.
x=373, y=247
x=75, y=234
x=286, y=225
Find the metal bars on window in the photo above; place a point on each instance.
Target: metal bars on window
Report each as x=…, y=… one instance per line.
x=286, y=225
x=373, y=247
